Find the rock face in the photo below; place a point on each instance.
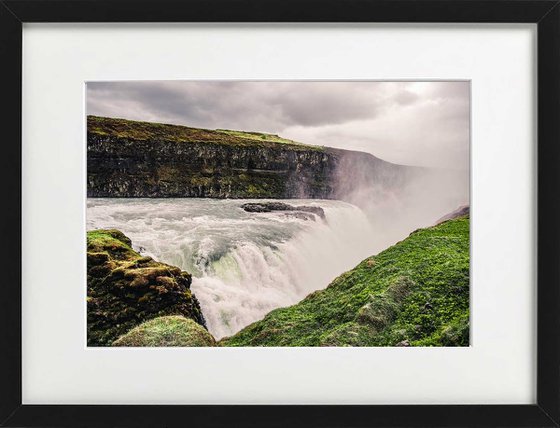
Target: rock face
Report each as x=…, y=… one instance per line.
x=139, y=159
x=125, y=289
x=459, y=212
x=167, y=331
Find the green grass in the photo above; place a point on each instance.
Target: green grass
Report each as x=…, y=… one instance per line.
x=151, y=131
x=167, y=331
x=258, y=136
x=114, y=241
x=414, y=293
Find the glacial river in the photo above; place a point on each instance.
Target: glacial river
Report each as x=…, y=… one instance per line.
x=243, y=264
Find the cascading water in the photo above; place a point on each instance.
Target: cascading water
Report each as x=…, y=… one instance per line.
x=243, y=264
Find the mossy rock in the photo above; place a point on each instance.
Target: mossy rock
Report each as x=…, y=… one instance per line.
x=125, y=288
x=167, y=331
x=415, y=293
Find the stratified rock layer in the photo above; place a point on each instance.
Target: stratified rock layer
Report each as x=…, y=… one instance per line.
x=125, y=289
x=139, y=159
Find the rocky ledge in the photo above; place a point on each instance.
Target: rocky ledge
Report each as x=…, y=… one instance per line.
x=125, y=288
x=462, y=211
x=301, y=211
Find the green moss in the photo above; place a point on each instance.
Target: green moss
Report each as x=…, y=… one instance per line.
x=167, y=331
x=101, y=241
x=258, y=136
x=260, y=190
x=126, y=288
x=144, y=131
x=415, y=291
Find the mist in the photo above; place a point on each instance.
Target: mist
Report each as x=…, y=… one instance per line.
x=420, y=202
x=399, y=199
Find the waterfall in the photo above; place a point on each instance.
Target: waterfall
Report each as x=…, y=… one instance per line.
x=243, y=264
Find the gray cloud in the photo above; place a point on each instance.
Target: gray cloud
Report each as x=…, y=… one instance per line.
x=416, y=123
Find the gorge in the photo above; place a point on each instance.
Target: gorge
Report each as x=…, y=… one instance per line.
x=225, y=227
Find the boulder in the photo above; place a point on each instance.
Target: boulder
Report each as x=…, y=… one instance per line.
x=266, y=207
x=125, y=288
x=167, y=331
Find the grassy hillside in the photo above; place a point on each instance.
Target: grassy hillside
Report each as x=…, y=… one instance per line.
x=259, y=136
x=415, y=293
x=143, y=131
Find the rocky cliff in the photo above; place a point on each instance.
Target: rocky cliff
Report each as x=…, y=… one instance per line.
x=140, y=159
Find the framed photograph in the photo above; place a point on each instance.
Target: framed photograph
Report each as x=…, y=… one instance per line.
x=277, y=214
x=198, y=236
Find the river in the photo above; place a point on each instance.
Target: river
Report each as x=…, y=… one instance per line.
x=243, y=264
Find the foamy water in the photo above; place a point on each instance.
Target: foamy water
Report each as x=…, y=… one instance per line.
x=243, y=264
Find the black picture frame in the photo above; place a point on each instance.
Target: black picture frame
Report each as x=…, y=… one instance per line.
x=544, y=13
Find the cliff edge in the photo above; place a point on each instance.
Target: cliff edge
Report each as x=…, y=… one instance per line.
x=139, y=159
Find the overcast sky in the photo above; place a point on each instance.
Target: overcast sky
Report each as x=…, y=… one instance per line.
x=412, y=123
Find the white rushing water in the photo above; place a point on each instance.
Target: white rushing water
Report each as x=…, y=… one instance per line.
x=243, y=264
